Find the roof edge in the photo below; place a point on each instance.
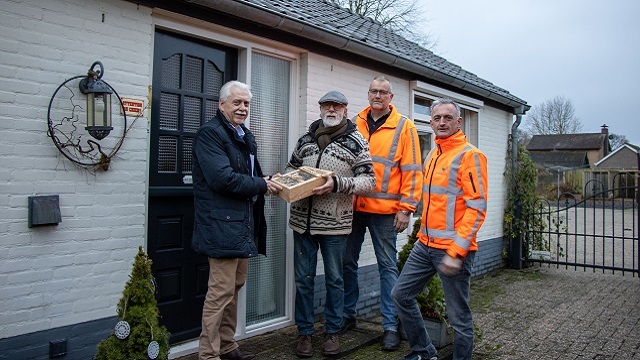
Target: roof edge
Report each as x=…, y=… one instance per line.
x=258, y=14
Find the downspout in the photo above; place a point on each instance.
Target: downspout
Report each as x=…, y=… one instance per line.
x=516, y=245
x=519, y=111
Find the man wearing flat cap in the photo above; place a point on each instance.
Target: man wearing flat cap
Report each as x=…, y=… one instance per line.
x=323, y=221
x=395, y=150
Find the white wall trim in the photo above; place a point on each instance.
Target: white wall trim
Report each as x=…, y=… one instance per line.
x=431, y=89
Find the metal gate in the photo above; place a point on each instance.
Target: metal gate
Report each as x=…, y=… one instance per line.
x=598, y=232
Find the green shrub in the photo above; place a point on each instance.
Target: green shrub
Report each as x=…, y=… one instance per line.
x=138, y=307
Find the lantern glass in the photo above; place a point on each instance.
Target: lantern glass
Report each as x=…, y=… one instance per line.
x=91, y=115
x=99, y=114
x=102, y=109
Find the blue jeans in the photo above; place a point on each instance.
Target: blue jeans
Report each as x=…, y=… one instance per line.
x=383, y=237
x=305, y=262
x=420, y=267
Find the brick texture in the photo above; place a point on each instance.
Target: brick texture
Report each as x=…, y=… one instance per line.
x=57, y=276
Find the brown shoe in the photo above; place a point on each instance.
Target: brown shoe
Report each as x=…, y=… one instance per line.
x=305, y=347
x=331, y=345
x=237, y=354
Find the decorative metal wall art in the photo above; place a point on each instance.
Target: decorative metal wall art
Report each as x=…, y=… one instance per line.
x=86, y=146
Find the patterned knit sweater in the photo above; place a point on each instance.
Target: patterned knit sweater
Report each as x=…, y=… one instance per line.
x=349, y=159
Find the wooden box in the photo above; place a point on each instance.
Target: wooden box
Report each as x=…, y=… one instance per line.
x=299, y=184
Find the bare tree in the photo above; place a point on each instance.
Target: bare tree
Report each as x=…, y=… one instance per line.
x=616, y=140
x=523, y=136
x=554, y=116
x=403, y=17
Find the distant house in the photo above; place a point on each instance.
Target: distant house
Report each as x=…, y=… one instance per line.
x=62, y=281
x=618, y=170
x=623, y=158
x=569, y=150
x=561, y=159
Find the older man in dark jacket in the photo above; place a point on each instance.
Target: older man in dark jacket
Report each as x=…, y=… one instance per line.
x=228, y=185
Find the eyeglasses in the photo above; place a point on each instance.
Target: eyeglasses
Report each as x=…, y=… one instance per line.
x=328, y=105
x=381, y=92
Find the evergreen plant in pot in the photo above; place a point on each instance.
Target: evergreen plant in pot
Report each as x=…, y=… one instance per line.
x=430, y=300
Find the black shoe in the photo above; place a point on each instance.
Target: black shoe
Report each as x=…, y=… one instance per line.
x=347, y=324
x=416, y=356
x=390, y=340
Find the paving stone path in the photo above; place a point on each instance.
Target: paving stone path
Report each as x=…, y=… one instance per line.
x=535, y=313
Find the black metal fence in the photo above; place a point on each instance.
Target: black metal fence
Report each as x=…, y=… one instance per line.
x=598, y=232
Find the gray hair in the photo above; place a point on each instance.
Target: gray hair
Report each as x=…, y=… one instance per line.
x=382, y=78
x=225, y=90
x=445, y=101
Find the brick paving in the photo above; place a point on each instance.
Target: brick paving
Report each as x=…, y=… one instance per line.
x=548, y=313
x=536, y=313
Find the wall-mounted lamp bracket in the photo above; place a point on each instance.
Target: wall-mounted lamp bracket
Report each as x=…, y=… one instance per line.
x=64, y=130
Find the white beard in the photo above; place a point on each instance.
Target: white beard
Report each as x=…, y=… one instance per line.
x=329, y=122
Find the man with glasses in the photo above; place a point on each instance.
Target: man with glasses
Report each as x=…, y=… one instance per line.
x=395, y=151
x=323, y=221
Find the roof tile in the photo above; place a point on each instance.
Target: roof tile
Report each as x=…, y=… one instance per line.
x=329, y=17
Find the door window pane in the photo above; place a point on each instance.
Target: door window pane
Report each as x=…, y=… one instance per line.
x=269, y=121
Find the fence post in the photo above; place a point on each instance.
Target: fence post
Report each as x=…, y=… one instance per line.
x=638, y=208
x=516, y=241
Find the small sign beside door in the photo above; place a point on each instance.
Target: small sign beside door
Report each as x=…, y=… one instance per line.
x=132, y=107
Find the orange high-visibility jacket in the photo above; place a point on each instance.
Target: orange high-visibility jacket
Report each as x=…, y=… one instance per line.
x=395, y=151
x=455, y=196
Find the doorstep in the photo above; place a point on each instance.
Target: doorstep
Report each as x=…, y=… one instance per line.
x=281, y=344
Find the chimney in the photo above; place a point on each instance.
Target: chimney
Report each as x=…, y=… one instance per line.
x=607, y=146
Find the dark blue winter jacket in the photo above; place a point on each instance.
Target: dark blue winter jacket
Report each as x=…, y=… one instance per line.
x=229, y=201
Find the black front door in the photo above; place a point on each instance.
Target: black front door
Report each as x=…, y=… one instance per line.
x=187, y=76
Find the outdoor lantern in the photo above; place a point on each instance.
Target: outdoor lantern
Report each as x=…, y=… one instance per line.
x=98, y=102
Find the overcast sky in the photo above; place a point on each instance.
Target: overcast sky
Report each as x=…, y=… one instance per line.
x=587, y=51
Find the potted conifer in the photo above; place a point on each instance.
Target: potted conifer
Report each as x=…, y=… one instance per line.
x=430, y=301
x=138, y=334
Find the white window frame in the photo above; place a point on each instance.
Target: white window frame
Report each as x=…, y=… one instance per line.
x=431, y=92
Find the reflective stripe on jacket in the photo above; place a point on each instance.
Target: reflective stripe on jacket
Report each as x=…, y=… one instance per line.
x=395, y=151
x=455, y=196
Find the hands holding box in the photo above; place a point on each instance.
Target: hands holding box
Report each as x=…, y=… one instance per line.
x=304, y=182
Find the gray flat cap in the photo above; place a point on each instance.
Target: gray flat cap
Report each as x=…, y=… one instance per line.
x=334, y=96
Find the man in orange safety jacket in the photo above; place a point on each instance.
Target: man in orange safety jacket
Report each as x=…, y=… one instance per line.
x=395, y=151
x=455, y=204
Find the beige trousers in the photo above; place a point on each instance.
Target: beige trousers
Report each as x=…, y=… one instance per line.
x=219, y=314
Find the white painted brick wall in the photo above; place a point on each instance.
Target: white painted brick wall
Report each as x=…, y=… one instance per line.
x=494, y=128
x=74, y=272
